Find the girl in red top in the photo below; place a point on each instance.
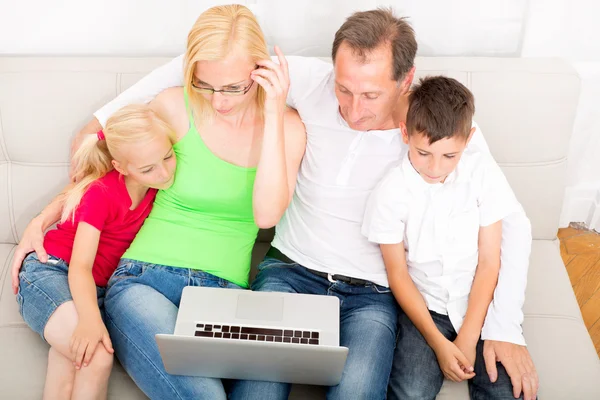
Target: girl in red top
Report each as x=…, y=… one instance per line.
x=118, y=173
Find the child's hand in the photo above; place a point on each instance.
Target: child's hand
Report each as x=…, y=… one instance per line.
x=468, y=348
x=453, y=362
x=85, y=339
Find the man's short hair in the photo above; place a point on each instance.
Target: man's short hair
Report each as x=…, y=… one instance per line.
x=364, y=31
x=440, y=107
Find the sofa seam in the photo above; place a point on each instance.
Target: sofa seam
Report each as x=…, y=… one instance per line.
x=11, y=208
x=3, y=146
x=558, y=161
x=40, y=164
x=550, y=316
x=6, y=267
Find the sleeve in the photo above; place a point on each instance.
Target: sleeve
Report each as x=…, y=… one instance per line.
x=505, y=313
x=306, y=75
x=478, y=142
x=163, y=77
x=94, y=207
x=496, y=199
x=385, y=215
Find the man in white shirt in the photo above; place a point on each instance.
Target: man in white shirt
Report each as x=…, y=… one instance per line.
x=437, y=217
x=352, y=111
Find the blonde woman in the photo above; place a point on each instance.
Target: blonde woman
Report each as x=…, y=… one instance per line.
x=119, y=171
x=238, y=153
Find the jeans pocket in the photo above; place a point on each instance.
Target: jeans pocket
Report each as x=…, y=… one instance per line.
x=270, y=262
x=380, y=289
x=127, y=269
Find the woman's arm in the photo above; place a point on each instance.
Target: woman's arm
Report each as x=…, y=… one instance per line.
x=33, y=236
x=90, y=328
x=284, y=142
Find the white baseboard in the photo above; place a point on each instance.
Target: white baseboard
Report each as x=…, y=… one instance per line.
x=582, y=204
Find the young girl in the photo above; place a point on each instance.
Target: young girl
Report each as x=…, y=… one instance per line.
x=118, y=172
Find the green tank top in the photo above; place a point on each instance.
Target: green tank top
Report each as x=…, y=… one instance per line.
x=204, y=221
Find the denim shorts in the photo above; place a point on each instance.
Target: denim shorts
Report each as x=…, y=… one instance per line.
x=43, y=287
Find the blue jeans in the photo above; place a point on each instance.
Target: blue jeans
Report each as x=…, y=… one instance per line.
x=43, y=287
x=142, y=300
x=416, y=373
x=368, y=323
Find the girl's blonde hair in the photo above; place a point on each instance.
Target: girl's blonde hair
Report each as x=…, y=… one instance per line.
x=93, y=159
x=217, y=32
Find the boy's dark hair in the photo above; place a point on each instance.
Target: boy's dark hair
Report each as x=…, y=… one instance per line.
x=364, y=31
x=440, y=107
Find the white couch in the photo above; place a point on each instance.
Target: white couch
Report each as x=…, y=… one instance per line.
x=525, y=108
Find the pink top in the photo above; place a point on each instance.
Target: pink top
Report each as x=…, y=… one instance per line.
x=105, y=206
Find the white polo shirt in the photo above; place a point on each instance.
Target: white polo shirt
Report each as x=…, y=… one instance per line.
x=322, y=227
x=439, y=225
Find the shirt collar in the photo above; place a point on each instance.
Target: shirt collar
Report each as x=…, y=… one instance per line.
x=388, y=135
x=414, y=179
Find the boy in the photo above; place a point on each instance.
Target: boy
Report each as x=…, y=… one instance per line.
x=437, y=217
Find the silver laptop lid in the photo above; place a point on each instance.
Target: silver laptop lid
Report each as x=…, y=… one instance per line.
x=244, y=308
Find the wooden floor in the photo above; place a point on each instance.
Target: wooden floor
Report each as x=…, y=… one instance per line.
x=580, y=250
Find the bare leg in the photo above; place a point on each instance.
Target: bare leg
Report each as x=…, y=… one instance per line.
x=58, y=332
x=91, y=382
x=59, y=377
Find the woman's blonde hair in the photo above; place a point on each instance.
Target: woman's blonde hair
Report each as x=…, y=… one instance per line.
x=93, y=159
x=217, y=32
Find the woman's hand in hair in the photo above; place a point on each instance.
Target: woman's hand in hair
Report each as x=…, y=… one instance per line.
x=275, y=80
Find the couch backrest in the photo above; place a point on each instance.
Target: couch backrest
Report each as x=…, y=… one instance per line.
x=525, y=107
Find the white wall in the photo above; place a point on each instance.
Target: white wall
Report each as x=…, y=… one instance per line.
x=528, y=28
x=569, y=29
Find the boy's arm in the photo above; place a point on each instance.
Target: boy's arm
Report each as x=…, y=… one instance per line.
x=407, y=294
x=413, y=304
x=482, y=290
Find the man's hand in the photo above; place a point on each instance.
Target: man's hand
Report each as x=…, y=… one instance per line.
x=518, y=364
x=33, y=240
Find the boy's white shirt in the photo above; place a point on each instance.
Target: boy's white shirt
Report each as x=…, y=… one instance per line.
x=321, y=228
x=439, y=225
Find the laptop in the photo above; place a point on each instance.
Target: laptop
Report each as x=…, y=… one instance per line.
x=268, y=336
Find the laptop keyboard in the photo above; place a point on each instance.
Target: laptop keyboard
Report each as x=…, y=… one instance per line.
x=237, y=332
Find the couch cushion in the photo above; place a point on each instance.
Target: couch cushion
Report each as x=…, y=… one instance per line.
x=25, y=354
x=549, y=292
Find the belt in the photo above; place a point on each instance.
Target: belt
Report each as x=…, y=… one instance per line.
x=275, y=253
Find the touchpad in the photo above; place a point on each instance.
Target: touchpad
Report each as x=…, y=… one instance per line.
x=268, y=308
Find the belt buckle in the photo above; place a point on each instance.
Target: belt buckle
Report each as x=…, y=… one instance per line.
x=330, y=278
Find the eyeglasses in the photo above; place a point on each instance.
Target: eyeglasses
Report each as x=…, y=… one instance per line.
x=226, y=92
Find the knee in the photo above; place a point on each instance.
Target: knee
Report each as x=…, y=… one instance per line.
x=412, y=388
x=101, y=362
